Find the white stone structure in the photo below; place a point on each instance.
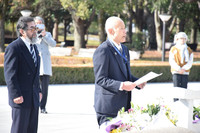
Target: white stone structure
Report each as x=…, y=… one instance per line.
x=60, y=51
x=183, y=108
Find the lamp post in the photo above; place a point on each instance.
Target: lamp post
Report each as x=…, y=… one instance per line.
x=26, y=13
x=164, y=18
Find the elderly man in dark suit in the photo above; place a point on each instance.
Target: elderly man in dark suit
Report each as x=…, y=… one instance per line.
x=21, y=71
x=113, y=79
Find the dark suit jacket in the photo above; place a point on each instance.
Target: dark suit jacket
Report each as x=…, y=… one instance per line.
x=110, y=71
x=21, y=75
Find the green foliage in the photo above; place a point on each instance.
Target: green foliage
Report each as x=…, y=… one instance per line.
x=138, y=42
x=185, y=10
x=142, y=70
x=110, y=7
x=157, y=5
x=81, y=8
x=69, y=75
x=152, y=109
x=196, y=112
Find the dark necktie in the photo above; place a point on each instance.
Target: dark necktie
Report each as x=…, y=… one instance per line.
x=120, y=50
x=33, y=54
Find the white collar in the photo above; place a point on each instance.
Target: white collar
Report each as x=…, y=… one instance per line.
x=116, y=45
x=27, y=43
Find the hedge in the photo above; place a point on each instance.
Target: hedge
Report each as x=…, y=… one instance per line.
x=72, y=75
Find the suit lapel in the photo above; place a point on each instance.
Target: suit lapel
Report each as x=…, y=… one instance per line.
x=118, y=58
x=25, y=52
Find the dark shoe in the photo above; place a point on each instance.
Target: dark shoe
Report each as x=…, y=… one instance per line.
x=43, y=111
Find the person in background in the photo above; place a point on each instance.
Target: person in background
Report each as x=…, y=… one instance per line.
x=44, y=42
x=113, y=78
x=21, y=71
x=180, y=60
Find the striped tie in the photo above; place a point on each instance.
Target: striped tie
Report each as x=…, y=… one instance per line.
x=33, y=54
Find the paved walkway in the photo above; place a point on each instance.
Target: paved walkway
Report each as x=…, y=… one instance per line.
x=70, y=108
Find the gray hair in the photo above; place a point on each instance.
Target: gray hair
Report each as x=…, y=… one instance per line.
x=39, y=18
x=22, y=24
x=110, y=22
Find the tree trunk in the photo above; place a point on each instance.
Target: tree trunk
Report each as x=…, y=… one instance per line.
x=130, y=27
x=193, y=37
x=158, y=31
x=139, y=16
x=79, y=36
x=152, y=32
x=180, y=25
x=55, y=31
x=169, y=31
x=101, y=23
x=65, y=31
x=129, y=4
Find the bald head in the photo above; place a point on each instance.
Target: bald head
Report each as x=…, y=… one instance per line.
x=115, y=29
x=111, y=23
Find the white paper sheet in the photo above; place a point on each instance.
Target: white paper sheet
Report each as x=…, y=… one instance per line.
x=147, y=77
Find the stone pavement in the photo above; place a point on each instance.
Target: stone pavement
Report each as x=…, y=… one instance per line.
x=70, y=108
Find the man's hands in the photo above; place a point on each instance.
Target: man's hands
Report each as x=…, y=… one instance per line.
x=43, y=33
x=141, y=86
x=181, y=71
x=18, y=100
x=129, y=86
x=40, y=96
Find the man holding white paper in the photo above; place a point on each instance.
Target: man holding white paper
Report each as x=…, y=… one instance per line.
x=113, y=78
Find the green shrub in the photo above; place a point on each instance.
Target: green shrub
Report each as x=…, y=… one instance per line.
x=138, y=42
x=70, y=75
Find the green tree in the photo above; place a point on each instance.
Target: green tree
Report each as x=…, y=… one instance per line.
x=104, y=9
x=82, y=13
x=53, y=14
x=187, y=17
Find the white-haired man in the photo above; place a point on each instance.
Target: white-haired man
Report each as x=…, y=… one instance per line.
x=113, y=78
x=44, y=42
x=180, y=59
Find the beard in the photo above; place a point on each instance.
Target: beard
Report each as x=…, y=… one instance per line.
x=32, y=40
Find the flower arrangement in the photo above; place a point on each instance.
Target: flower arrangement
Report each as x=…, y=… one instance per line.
x=196, y=114
x=137, y=118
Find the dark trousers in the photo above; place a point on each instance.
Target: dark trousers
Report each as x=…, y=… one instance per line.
x=44, y=83
x=180, y=80
x=101, y=118
x=24, y=120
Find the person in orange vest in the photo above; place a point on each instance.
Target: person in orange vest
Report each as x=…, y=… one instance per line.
x=180, y=60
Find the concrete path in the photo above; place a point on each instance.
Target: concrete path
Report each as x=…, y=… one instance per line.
x=70, y=108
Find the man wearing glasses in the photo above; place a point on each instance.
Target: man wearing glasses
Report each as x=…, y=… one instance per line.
x=21, y=71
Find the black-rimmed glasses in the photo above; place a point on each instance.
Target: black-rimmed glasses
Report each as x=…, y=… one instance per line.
x=32, y=29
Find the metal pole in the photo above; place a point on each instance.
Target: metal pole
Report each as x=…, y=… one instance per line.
x=163, y=42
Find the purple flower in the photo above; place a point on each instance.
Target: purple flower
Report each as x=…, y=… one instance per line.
x=197, y=116
x=113, y=126
x=196, y=121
